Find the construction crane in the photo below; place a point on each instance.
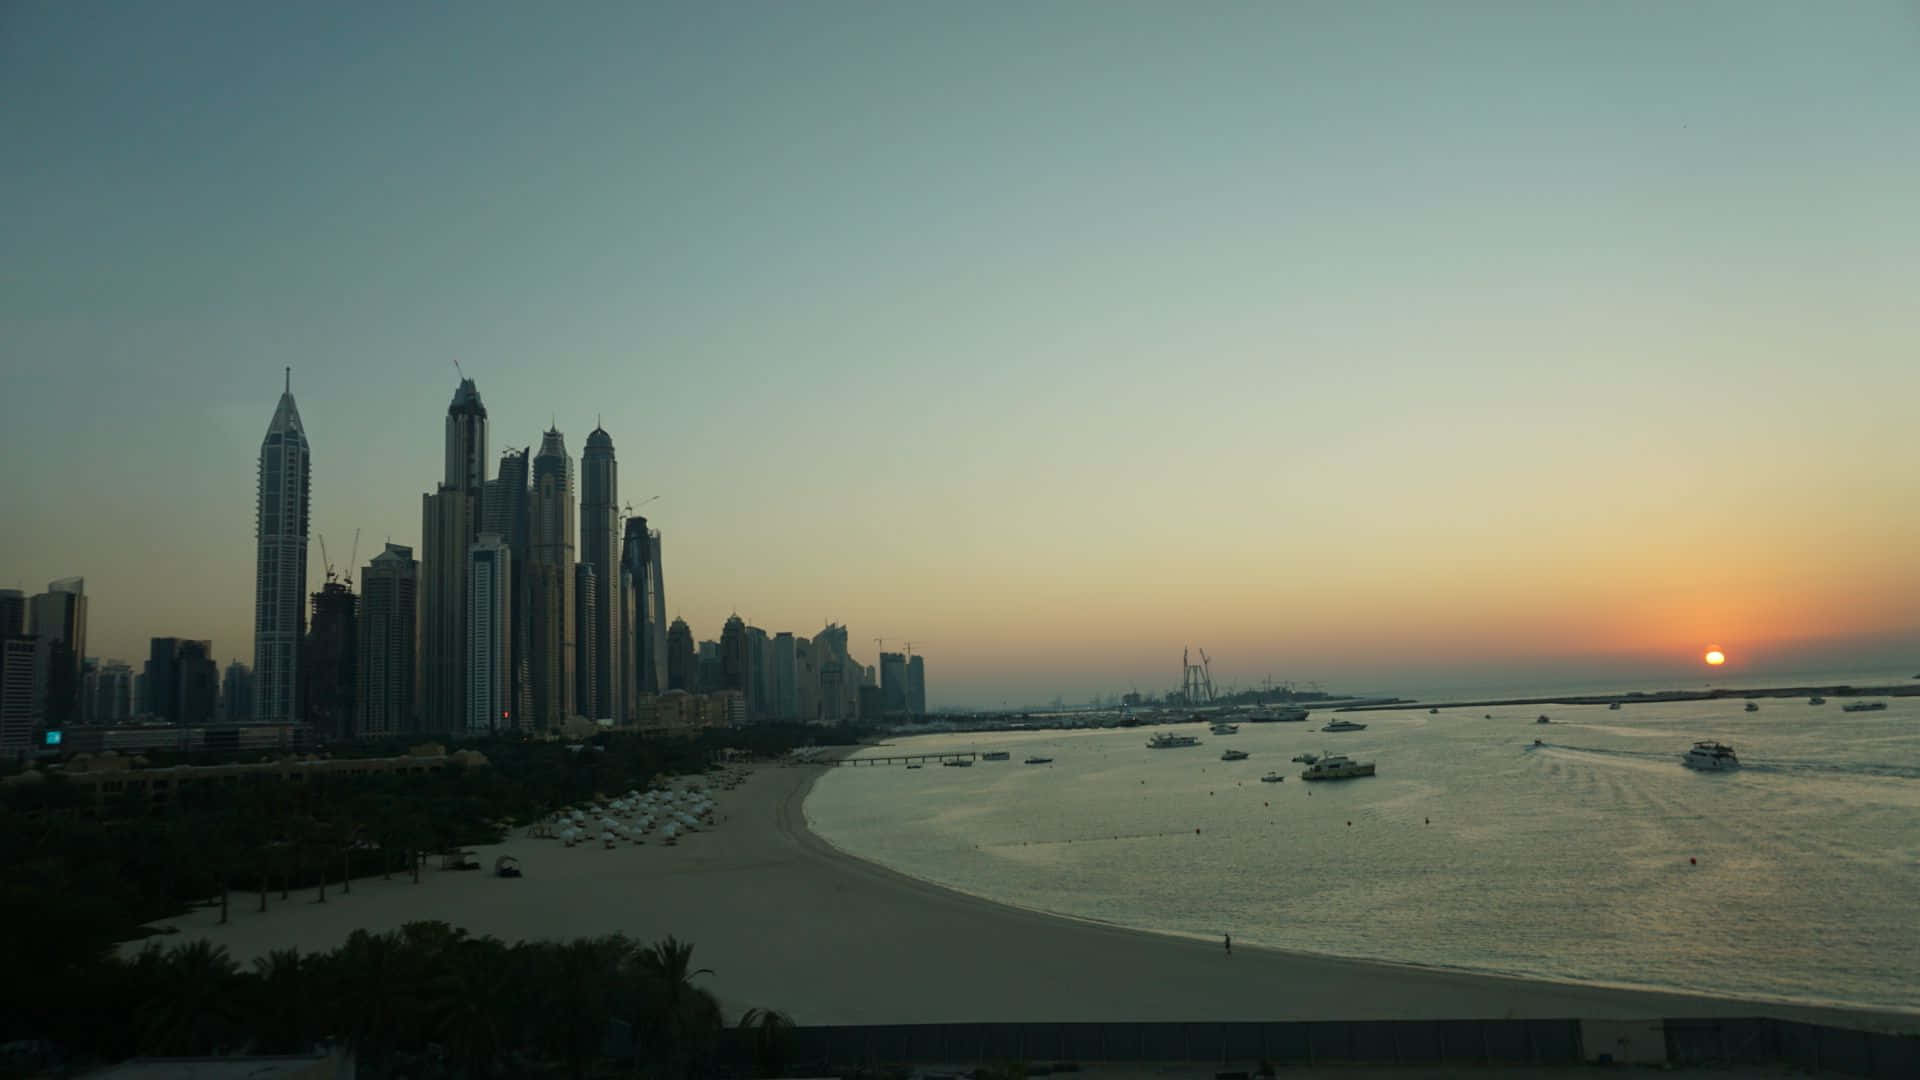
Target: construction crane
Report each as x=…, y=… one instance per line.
x=631, y=507
x=352, y=560
x=879, y=643
x=324, y=561
x=910, y=646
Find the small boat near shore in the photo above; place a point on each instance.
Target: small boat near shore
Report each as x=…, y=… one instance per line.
x=1272, y=778
x=1233, y=755
x=1224, y=728
x=1864, y=706
x=1816, y=700
x=996, y=755
x=1751, y=707
x=1038, y=760
x=1613, y=706
x=958, y=763
x=1306, y=759
x=1167, y=741
x=1543, y=719
x=1267, y=714
x=1343, y=725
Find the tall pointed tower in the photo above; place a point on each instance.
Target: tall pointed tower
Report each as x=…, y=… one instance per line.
x=600, y=549
x=550, y=524
x=280, y=563
x=450, y=520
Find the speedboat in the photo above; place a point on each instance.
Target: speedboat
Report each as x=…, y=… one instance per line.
x=1224, y=728
x=914, y=765
x=1272, y=778
x=1543, y=719
x=1710, y=756
x=1816, y=700
x=1168, y=741
x=1337, y=767
x=1433, y=712
x=1614, y=707
x=1343, y=725
x=996, y=755
x=1306, y=759
x=1864, y=706
x=1233, y=755
x=1038, y=760
x=1539, y=742
x=1751, y=707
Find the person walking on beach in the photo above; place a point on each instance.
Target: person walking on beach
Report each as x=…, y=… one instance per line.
x=1229, y=944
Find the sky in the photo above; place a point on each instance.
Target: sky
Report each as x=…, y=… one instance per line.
x=1375, y=345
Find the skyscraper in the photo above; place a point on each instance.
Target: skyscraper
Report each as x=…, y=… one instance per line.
x=489, y=636
x=683, y=666
x=450, y=521
x=917, y=685
x=13, y=613
x=734, y=671
x=236, y=694
x=280, y=563
x=389, y=598
x=782, y=678
x=327, y=662
x=642, y=668
x=22, y=673
x=59, y=616
x=600, y=549
x=550, y=545
x=507, y=517
x=445, y=523
x=109, y=695
x=587, y=602
x=707, y=669
x=893, y=683
x=759, y=675
x=183, y=681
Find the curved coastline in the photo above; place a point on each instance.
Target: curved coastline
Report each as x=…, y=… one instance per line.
x=1463, y=993
x=788, y=921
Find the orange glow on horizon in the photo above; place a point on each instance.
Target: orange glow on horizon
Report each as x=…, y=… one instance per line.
x=1715, y=657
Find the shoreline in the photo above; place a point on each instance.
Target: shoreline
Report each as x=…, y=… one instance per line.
x=1656, y=697
x=790, y=922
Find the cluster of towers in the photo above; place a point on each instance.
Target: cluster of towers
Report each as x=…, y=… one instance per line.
x=499, y=623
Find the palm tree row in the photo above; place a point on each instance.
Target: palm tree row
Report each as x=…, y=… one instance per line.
x=424, y=1000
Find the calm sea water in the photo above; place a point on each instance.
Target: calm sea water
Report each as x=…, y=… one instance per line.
x=1471, y=849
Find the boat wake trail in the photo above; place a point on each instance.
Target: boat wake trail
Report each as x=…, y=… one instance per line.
x=1782, y=766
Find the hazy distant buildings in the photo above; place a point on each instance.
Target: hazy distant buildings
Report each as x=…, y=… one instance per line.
x=552, y=654
x=389, y=599
x=22, y=687
x=759, y=675
x=806, y=678
x=108, y=695
x=489, y=636
x=840, y=676
x=328, y=659
x=893, y=683
x=734, y=672
x=13, y=613
x=600, y=549
x=236, y=694
x=280, y=563
x=683, y=664
x=708, y=675
x=917, y=685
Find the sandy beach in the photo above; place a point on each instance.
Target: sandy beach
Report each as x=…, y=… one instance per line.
x=788, y=922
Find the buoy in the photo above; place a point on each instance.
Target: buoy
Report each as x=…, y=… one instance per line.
x=1196, y=832
x=1349, y=824
x=1429, y=821
x=1691, y=861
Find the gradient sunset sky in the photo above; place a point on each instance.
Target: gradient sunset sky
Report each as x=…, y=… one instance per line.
x=1382, y=345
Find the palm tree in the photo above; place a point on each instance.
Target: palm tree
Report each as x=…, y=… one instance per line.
x=283, y=1008
x=371, y=987
x=581, y=978
x=767, y=1030
x=677, y=1020
x=471, y=1003
x=195, y=1009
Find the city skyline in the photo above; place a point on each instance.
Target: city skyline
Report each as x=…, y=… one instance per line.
x=1543, y=345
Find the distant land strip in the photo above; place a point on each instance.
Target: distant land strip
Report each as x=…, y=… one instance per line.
x=1639, y=697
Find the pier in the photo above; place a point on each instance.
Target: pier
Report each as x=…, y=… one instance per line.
x=904, y=759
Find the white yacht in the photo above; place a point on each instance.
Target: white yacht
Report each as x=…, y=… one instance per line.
x=1233, y=755
x=1864, y=706
x=1272, y=778
x=1337, y=767
x=1168, y=741
x=1343, y=725
x=1710, y=756
x=1224, y=728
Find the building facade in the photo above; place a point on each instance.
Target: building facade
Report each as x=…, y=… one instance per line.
x=236, y=694
x=280, y=563
x=643, y=654
x=893, y=683
x=783, y=678
x=506, y=516
x=735, y=672
x=59, y=616
x=917, y=685
x=389, y=612
x=490, y=705
x=683, y=664
x=587, y=602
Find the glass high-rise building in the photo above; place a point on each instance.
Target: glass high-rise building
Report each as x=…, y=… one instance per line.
x=550, y=524
x=600, y=549
x=280, y=563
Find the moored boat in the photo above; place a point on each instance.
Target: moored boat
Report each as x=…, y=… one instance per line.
x=1038, y=760
x=1863, y=706
x=1233, y=755
x=1343, y=725
x=1272, y=778
x=1710, y=756
x=1337, y=767
x=1167, y=741
x=996, y=755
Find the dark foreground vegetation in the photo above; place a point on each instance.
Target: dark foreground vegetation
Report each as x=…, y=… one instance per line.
x=77, y=880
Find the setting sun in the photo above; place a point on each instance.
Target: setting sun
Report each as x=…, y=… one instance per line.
x=1716, y=657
